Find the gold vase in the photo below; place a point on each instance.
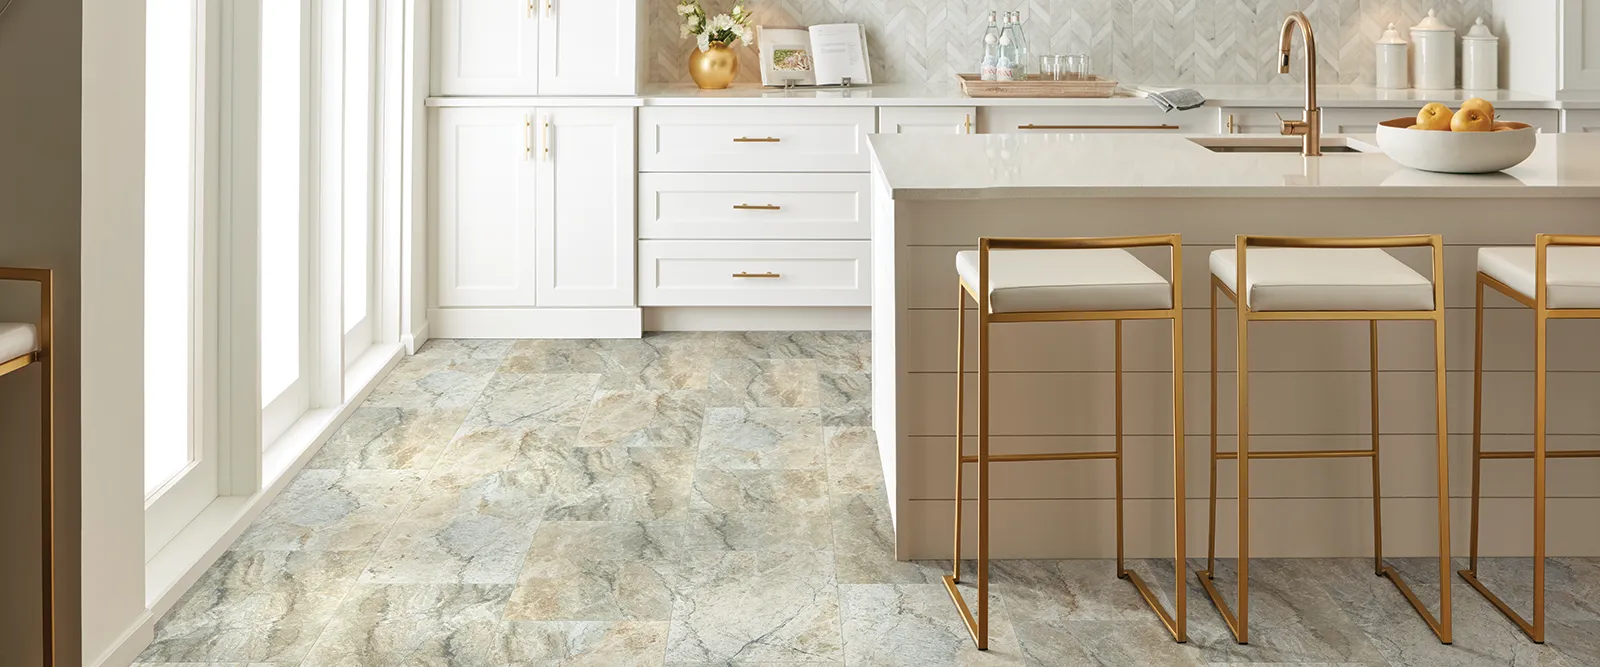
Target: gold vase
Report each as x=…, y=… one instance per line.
x=714, y=68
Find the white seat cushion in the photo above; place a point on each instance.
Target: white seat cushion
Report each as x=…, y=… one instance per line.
x=1573, y=273
x=1031, y=281
x=1322, y=279
x=17, y=339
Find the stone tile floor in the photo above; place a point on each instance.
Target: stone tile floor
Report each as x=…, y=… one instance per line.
x=716, y=499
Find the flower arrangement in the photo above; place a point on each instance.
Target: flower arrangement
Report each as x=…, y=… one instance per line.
x=719, y=29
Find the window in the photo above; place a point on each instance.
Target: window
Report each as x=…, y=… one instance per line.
x=283, y=302
x=357, y=186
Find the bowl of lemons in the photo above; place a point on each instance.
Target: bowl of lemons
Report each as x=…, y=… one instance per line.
x=1465, y=141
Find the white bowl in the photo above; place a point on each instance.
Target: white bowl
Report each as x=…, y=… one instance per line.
x=1456, y=152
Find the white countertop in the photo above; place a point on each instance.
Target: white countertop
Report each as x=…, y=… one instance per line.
x=901, y=94
x=921, y=94
x=1109, y=165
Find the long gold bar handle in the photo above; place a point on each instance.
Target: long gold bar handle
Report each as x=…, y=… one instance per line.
x=1031, y=126
x=756, y=140
x=527, y=137
x=743, y=274
x=546, y=121
x=753, y=207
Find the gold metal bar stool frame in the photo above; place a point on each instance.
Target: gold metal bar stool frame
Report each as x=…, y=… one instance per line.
x=978, y=626
x=43, y=355
x=1542, y=316
x=1239, y=624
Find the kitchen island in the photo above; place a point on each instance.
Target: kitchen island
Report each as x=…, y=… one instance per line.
x=1052, y=383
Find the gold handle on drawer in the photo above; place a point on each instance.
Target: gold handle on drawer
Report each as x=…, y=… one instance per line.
x=756, y=140
x=967, y=125
x=743, y=274
x=546, y=121
x=527, y=137
x=549, y=7
x=1031, y=126
x=755, y=207
x=1230, y=124
x=530, y=9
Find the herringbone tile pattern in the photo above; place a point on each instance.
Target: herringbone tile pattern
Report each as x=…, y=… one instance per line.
x=1134, y=41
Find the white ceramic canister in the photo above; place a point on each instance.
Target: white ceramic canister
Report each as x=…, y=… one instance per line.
x=1435, y=54
x=1393, y=61
x=1480, y=59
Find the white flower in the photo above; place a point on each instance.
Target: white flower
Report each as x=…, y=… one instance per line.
x=685, y=10
x=705, y=42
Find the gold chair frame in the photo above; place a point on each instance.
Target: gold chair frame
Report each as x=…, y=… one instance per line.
x=44, y=356
x=1176, y=623
x=1542, y=316
x=1240, y=625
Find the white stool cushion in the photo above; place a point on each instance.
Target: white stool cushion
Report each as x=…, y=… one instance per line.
x=17, y=339
x=1321, y=279
x=1573, y=273
x=1031, y=281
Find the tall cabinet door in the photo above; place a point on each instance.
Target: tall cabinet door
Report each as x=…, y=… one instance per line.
x=585, y=225
x=486, y=47
x=487, y=202
x=589, y=47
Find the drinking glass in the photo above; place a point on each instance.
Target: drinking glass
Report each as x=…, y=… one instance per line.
x=1052, y=68
x=1077, y=67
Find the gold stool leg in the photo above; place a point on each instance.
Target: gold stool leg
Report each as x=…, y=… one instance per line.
x=961, y=400
x=1377, y=475
x=1122, y=570
x=1238, y=625
x=978, y=625
x=1211, y=534
x=1540, y=395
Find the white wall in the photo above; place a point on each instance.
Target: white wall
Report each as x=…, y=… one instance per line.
x=1530, y=44
x=113, y=321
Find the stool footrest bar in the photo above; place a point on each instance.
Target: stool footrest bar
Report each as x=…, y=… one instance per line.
x=1310, y=454
x=1563, y=454
x=1016, y=458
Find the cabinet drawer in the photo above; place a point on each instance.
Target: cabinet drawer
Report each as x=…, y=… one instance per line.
x=1581, y=120
x=754, y=206
x=785, y=139
x=928, y=120
x=1143, y=118
x=755, y=273
x=1365, y=121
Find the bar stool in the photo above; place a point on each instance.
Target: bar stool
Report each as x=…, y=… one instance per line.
x=1558, y=283
x=23, y=345
x=1065, y=280
x=1301, y=279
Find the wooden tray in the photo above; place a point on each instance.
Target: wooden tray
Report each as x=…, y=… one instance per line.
x=974, y=86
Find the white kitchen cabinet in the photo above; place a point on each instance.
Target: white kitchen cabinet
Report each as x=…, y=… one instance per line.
x=1580, y=45
x=486, y=200
x=589, y=47
x=755, y=206
x=585, y=232
x=1581, y=120
x=766, y=139
x=534, y=207
x=1074, y=119
x=928, y=120
x=1365, y=120
x=535, y=47
x=755, y=273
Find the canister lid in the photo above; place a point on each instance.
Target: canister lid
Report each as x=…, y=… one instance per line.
x=1432, y=24
x=1391, y=36
x=1479, y=31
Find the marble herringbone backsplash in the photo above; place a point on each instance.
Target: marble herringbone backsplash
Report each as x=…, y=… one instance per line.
x=1134, y=41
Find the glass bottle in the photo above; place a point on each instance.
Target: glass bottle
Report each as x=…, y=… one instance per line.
x=1024, y=56
x=991, y=48
x=1005, y=66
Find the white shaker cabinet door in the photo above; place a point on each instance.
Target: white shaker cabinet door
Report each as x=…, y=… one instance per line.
x=928, y=120
x=588, y=47
x=486, y=199
x=586, y=233
x=486, y=47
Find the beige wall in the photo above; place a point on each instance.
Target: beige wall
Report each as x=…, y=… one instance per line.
x=39, y=226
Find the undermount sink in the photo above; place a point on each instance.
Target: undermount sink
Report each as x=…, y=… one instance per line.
x=1268, y=145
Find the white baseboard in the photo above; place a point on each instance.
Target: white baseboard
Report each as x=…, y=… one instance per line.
x=127, y=648
x=535, y=322
x=702, y=318
x=415, y=340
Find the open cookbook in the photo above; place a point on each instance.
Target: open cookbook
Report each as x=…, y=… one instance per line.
x=822, y=55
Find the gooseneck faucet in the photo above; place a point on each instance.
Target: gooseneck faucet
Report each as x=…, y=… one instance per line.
x=1310, y=127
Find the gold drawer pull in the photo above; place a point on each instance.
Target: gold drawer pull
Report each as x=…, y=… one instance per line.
x=756, y=140
x=1031, y=126
x=742, y=274
x=752, y=207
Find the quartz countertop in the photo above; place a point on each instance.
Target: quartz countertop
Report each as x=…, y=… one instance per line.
x=1112, y=165
x=902, y=94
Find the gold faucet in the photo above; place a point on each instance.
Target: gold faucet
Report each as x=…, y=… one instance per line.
x=1310, y=127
